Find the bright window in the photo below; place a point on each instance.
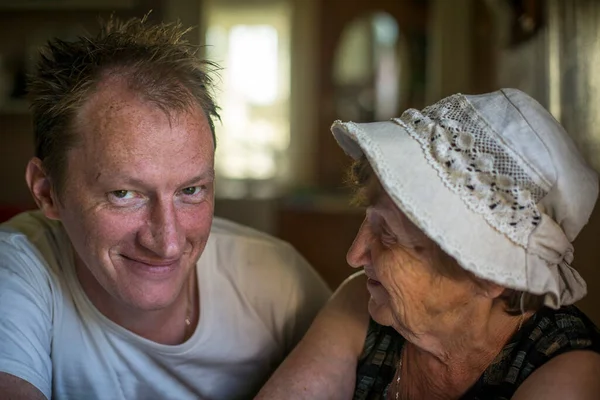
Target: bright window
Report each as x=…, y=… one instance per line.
x=252, y=47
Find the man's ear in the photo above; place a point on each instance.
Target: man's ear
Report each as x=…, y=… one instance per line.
x=41, y=188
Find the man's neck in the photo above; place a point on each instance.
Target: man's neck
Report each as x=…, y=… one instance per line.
x=171, y=325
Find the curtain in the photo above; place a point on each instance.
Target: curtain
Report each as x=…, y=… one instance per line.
x=573, y=42
x=559, y=66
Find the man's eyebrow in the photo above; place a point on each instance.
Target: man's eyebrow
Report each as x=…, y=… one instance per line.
x=207, y=175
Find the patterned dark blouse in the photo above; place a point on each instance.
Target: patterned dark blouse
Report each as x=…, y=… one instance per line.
x=545, y=335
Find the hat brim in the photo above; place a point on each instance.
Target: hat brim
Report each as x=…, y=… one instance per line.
x=415, y=187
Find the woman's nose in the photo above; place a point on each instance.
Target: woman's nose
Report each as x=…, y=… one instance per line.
x=359, y=253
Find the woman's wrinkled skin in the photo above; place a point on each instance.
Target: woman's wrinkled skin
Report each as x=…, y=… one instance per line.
x=423, y=294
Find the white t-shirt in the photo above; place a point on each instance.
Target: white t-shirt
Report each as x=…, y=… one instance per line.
x=257, y=297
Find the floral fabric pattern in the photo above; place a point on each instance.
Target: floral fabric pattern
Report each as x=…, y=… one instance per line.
x=477, y=166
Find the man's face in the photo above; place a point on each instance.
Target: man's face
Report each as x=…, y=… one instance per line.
x=138, y=198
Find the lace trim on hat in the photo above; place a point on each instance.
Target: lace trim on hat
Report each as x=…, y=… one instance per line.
x=473, y=163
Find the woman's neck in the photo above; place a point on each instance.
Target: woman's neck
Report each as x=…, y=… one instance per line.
x=449, y=363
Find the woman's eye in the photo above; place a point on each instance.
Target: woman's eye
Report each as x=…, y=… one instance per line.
x=387, y=237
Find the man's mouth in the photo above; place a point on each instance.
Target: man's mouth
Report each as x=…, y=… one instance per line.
x=154, y=267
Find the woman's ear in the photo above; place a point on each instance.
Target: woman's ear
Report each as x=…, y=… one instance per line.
x=40, y=187
x=490, y=290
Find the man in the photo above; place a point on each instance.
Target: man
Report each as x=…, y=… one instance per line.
x=122, y=286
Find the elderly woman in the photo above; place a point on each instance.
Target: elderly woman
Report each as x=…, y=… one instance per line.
x=472, y=205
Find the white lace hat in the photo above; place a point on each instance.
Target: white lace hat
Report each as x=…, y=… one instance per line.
x=493, y=179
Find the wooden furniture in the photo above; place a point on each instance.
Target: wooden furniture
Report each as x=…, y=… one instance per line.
x=322, y=235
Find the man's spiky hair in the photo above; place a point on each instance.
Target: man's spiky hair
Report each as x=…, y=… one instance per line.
x=155, y=61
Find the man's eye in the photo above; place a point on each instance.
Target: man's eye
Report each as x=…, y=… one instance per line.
x=121, y=195
x=194, y=194
x=196, y=191
x=192, y=190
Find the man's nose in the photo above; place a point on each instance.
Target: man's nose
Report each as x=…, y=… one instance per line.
x=162, y=234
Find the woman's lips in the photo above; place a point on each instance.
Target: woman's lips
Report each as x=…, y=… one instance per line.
x=373, y=282
x=370, y=278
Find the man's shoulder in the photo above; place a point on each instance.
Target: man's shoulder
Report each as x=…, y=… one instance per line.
x=269, y=276
x=28, y=226
x=31, y=241
x=258, y=259
x=246, y=249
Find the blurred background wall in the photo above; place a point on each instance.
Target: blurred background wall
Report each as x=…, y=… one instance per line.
x=291, y=67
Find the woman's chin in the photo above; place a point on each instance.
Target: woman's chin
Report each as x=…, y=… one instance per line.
x=380, y=313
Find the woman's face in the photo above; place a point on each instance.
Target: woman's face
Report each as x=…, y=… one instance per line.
x=415, y=287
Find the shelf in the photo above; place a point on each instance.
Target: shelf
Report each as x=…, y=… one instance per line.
x=32, y=5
